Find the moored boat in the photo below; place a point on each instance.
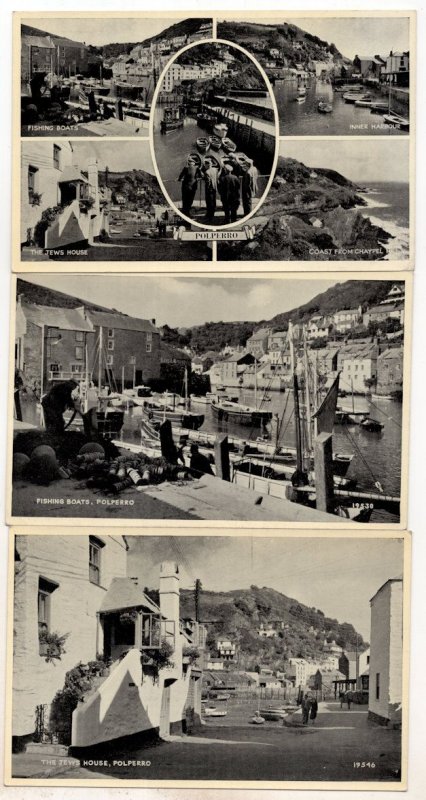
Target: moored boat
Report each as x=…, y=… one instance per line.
x=215, y=142
x=352, y=97
x=371, y=425
x=172, y=119
x=397, y=121
x=302, y=91
x=226, y=410
x=228, y=145
x=220, y=129
x=157, y=412
x=206, y=121
x=324, y=108
x=203, y=144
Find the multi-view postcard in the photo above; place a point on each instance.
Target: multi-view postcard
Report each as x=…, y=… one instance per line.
x=229, y=660
x=153, y=139
x=281, y=399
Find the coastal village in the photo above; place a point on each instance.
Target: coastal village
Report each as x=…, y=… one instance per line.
x=181, y=415
x=98, y=91
x=115, y=667
x=318, y=77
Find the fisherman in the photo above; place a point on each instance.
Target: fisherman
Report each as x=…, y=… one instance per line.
x=229, y=193
x=211, y=184
x=307, y=703
x=62, y=396
x=199, y=463
x=248, y=185
x=162, y=224
x=190, y=175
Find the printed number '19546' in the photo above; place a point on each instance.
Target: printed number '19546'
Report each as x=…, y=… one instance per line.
x=364, y=764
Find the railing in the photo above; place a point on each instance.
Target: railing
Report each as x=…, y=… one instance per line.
x=64, y=375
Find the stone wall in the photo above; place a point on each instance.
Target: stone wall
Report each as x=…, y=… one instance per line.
x=63, y=560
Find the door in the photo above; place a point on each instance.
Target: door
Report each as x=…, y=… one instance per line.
x=165, y=712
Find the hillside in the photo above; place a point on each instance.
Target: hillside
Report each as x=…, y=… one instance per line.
x=296, y=46
x=184, y=27
x=238, y=614
x=129, y=182
x=40, y=295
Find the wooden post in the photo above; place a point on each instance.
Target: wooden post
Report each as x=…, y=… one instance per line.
x=168, y=447
x=119, y=109
x=323, y=458
x=221, y=458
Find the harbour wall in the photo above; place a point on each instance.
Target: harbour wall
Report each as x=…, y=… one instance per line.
x=246, y=107
x=256, y=142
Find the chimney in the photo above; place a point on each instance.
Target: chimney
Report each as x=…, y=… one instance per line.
x=169, y=607
x=92, y=174
x=153, y=321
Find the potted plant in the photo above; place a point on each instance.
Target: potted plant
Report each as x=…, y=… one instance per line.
x=190, y=655
x=51, y=645
x=35, y=198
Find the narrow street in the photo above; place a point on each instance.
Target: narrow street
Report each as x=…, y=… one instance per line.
x=328, y=750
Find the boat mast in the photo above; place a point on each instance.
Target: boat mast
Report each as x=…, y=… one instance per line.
x=86, y=380
x=307, y=396
x=185, y=383
x=100, y=360
x=315, y=394
x=299, y=462
x=255, y=384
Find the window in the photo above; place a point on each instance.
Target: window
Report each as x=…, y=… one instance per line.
x=110, y=344
x=45, y=591
x=55, y=367
x=368, y=659
x=377, y=685
x=149, y=336
x=79, y=336
x=79, y=351
x=148, y=347
x=32, y=180
x=95, y=552
x=77, y=368
x=110, y=333
x=110, y=360
x=151, y=630
x=56, y=156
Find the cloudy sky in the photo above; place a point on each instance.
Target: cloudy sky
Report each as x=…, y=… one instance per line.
x=102, y=30
x=337, y=575
x=183, y=302
x=132, y=155
x=360, y=159
x=354, y=35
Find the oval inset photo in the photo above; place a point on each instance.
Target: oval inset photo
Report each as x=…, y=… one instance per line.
x=214, y=134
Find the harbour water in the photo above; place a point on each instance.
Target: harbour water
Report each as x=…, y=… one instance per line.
x=377, y=456
x=346, y=119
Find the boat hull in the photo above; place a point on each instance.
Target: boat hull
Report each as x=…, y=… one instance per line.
x=256, y=419
x=182, y=418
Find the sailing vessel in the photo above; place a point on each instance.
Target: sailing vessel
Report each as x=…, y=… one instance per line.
x=394, y=119
x=167, y=407
x=231, y=411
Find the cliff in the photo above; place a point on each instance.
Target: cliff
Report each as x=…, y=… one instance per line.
x=310, y=214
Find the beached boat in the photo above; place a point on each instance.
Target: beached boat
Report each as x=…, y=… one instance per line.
x=212, y=711
x=203, y=144
x=220, y=129
x=257, y=719
x=225, y=411
x=228, y=145
x=324, y=108
x=215, y=142
x=194, y=158
x=397, y=121
x=363, y=102
x=376, y=107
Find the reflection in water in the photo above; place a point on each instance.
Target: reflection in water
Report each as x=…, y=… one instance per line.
x=302, y=118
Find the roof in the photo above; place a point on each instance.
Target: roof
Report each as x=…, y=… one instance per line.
x=125, y=593
x=68, y=42
x=392, y=352
x=238, y=356
x=72, y=174
x=398, y=579
x=260, y=334
x=121, y=322
x=37, y=41
x=66, y=319
x=167, y=352
x=347, y=311
x=385, y=307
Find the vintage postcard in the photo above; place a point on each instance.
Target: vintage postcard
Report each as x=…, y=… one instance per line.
x=146, y=139
x=282, y=398
x=242, y=659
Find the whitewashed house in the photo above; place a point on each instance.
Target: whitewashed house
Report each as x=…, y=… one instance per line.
x=386, y=653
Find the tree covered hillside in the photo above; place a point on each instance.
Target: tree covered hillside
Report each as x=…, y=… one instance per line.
x=238, y=614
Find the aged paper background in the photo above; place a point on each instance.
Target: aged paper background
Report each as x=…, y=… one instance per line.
x=417, y=767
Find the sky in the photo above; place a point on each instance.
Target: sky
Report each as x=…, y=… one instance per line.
x=354, y=35
x=184, y=302
x=134, y=155
x=102, y=30
x=338, y=575
x=360, y=159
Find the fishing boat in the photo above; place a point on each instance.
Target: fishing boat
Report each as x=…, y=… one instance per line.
x=202, y=144
x=363, y=102
x=241, y=159
x=397, y=121
x=347, y=87
x=174, y=408
x=324, y=108
x=257, y=719
x=371, y=425
x=376, y=107
x=228, y=145
x=215, y=142
x=172, y=119
x=220, y=130
x=225, y=411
